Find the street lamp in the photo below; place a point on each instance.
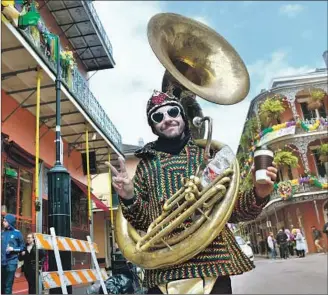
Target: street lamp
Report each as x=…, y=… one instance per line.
x=59, y=190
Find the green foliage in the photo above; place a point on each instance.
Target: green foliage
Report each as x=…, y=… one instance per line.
x=323, y=149
x=317, y=95
x=271, y=109
x=241, y=157
x=247, y=183
x=251, y=128
x=285, y=158
x=244, y=142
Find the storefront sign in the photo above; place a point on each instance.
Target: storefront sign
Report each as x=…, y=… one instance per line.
x=276, y=134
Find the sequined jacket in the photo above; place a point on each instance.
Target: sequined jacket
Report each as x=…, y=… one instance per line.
x=158, y=176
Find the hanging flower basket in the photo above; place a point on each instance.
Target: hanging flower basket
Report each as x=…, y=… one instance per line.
x=323, y=158
x=313, y=105
x=270, y=110
x=285, y=158
x=323, y=153
x=316, y=98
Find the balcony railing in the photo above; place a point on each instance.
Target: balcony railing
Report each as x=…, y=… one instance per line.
x=303, y=188
x=79, y=89
x=91, y=9
x=323, y=125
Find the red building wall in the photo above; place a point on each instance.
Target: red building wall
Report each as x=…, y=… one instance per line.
x=309, y=219
x=23, y=133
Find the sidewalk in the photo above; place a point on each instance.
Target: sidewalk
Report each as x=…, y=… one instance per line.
x=80, y=290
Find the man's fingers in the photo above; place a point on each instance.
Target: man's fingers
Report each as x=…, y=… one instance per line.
x=121, y=180
x=269, y=182
x=118, y=179
x=122, y=164
x=112, y=168
x=272, y=175
x=273, y=169
x=117, y=187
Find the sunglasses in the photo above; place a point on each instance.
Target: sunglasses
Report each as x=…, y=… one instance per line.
x=158, y=117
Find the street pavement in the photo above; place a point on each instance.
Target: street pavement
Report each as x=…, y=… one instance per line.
x=292, y=276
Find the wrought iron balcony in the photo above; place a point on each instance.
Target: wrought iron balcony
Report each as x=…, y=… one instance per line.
x=301, y=189
x=91, y=9
x=79, y=89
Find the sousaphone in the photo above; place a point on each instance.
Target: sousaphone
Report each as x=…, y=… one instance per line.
x=199, y=62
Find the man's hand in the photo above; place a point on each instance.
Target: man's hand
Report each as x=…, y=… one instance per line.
x=23, y=253
x=122, y=183
x=265, y=189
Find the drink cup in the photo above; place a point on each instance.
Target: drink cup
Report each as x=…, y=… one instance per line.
x=263, y=158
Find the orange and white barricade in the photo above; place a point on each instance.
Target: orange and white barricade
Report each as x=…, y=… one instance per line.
x=60, y=278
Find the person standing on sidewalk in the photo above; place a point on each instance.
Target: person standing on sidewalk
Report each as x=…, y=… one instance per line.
x=300, y=244
x=12, y=244
x=272, y=246
x=29, y=258
x=291, y=241
x=316, y=234
x=282, y=240
x=163, y=165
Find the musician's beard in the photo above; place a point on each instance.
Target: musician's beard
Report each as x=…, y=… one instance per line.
x=172, y=145
x=173, y=138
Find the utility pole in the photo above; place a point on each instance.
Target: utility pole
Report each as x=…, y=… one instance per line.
x=59, y=190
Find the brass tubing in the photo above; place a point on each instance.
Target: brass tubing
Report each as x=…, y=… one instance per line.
x=159, y=227
x=190, y=230
x=177, y=221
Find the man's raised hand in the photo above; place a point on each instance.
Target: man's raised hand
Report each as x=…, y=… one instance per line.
x=122, y=183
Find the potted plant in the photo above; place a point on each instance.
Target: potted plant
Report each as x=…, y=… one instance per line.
x=285, y=158
x=323, y=152
x=316, y=98
x=270, y=110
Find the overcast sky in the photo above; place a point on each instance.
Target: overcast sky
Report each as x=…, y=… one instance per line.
x=273, y=38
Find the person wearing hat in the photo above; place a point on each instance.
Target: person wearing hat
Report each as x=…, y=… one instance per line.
x=12, y=243
x=159, y=174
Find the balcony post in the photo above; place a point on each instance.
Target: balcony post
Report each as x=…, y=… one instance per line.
x=302, y=145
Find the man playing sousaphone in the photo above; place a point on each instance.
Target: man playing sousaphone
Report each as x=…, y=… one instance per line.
x=160, y=176
x=163, y=164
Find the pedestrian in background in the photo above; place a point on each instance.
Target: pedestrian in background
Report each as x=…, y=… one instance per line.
x=291, y=241
x=300, y=244
x=12, y=244
x=272, y=245
x=316, y=234
x=29, y=258
x=325, y=228
x=282, y=242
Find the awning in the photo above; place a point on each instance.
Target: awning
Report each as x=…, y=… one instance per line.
x=18, y=154
x=99, y=204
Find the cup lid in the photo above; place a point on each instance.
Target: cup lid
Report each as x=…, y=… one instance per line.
x=263, y=147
